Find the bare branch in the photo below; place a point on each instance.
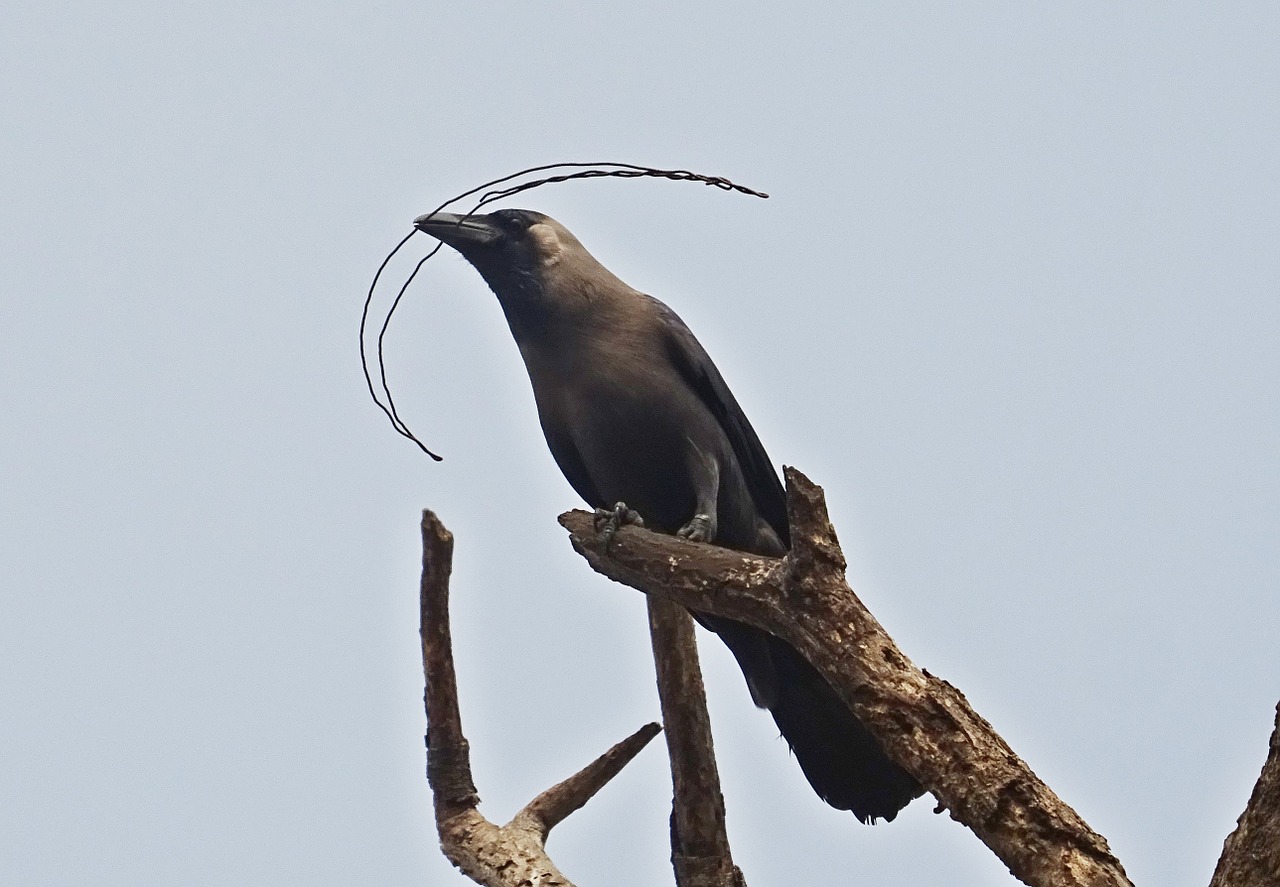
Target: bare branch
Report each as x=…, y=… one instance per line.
x=512, y=855
x=448, y=755
x=699, y=843
x=550, y=808
x=923, y=722
x=1251, y=854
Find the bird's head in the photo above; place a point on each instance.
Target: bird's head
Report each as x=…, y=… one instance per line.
x=529, y=260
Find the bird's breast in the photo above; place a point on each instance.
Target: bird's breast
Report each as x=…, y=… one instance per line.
x=631, y=428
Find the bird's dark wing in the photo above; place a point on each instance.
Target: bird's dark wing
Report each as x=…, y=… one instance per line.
x=695, y=366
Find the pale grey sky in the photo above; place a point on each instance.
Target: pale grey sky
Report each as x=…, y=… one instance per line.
x=1013, y=302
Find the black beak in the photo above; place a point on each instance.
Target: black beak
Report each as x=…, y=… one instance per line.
x=457, y=231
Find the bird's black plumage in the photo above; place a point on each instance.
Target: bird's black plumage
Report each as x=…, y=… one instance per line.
x=635, y=411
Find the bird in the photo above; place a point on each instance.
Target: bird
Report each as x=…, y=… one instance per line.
x=634, y=411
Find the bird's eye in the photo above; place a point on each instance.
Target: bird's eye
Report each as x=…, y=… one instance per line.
x=510, y=222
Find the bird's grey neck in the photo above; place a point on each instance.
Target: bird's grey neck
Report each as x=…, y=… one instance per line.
x=543, y=309
x=519, y=292
x=530, y=314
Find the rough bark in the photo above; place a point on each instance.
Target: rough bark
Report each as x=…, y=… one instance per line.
x=1251, y=853
x=923, y=722
x=511, y=855
x=700, y=852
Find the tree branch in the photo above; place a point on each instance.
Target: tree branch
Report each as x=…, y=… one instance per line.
x=923, y=722
x=1251, y=854
x=512, y=855
x=699, y=843
x=550, y=808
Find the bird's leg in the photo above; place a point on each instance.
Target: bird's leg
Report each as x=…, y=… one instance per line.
x=700, y=528
x=706, y=483
x=608, y=520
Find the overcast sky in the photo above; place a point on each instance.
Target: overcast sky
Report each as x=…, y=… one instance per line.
x=1012, y=302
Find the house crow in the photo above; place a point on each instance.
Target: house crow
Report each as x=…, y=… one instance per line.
x=635, y=412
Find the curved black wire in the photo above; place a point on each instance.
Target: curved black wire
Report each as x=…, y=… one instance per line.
x=382, y=364
x=364, y=322
x=585, y=171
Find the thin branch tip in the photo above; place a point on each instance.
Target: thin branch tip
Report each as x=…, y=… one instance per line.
x=550, y=808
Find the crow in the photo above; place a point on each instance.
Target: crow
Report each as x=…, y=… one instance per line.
x=635, y=412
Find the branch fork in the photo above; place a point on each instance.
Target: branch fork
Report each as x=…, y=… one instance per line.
x=512, y=855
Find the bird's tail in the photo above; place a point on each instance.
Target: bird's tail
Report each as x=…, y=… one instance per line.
x=841, y=759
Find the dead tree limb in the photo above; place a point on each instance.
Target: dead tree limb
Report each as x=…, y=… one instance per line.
x=1251, y=853
x=923, y=722
x=497, y=856
x=699, y=843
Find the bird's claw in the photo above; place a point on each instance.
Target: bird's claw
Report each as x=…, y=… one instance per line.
x=701, y=528
x=608, y=520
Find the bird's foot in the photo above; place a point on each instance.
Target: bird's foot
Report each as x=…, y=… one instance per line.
x=702, y=528
x=608, y=520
